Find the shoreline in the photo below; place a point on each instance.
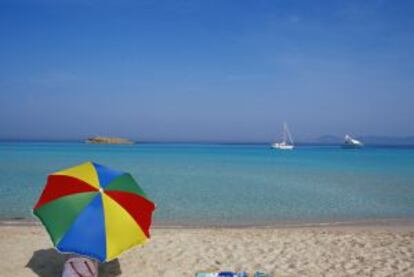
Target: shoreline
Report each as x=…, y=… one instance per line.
x=387, y=223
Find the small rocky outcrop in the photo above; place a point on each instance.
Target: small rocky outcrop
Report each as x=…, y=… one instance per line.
x=108, y=140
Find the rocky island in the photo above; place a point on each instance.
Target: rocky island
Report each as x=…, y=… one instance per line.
x=108, y=140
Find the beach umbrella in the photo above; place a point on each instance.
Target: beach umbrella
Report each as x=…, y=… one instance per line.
x=94, y=211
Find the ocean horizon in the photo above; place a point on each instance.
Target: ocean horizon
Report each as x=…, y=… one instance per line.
x=393, y=142
x=225, y=184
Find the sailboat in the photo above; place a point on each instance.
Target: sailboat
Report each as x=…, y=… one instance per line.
x=287, y=142
x=350, y=142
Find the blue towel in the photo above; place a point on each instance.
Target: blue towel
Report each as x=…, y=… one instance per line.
x=226, y=274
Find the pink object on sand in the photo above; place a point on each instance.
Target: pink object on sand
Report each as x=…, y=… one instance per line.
x=80, y=267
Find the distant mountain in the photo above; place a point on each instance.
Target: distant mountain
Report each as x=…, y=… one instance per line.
x=381, y=140
x=373, y=140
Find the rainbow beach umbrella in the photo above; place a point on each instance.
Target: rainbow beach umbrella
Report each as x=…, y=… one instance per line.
x=94, y=211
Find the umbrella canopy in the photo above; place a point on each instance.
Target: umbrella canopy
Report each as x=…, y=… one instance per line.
x=94, y=211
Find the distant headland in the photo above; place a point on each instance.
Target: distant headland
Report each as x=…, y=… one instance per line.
x=108, y=140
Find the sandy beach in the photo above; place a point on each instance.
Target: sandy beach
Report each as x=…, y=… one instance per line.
x=385, y=250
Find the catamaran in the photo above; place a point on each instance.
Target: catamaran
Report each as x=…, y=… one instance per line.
x=287, y=142
x=351, y=142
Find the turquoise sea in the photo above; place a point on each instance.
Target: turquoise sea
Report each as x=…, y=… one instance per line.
x=196, y=184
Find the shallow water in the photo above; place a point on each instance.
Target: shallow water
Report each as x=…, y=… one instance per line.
x=229, y=184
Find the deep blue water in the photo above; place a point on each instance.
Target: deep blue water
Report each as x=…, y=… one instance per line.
x=229, y=184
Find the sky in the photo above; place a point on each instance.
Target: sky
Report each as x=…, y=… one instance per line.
x=209, y=70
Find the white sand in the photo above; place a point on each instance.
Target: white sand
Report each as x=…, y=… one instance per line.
x=340, y=251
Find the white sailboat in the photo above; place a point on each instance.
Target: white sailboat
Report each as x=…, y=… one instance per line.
x=350, y=142
x=287, y=142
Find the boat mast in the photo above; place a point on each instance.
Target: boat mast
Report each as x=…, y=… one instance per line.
x=284, y=133
x=287, y=134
